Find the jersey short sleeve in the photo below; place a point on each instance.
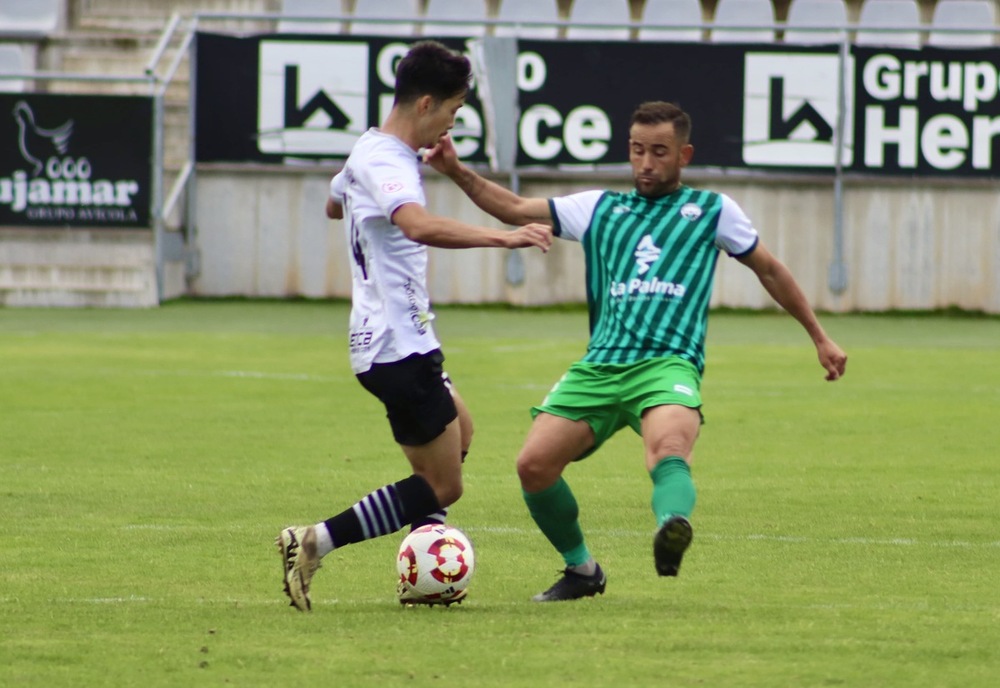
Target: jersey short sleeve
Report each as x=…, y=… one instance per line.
x=571, y=215
x=390, y=178
x=735, y=233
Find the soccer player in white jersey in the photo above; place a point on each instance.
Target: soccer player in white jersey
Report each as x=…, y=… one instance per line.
x=650, y=257
x=394, y=351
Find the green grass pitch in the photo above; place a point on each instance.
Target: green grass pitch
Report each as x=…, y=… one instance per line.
x=846, y=533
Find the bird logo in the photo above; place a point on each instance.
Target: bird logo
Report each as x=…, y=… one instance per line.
x=36, y=143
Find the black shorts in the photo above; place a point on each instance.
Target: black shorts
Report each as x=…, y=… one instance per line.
x=415, y=392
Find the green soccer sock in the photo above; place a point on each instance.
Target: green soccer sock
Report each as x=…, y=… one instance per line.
x=556, y=512
x=673, y=489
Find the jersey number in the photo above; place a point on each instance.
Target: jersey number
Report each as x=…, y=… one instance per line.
x=356, y=250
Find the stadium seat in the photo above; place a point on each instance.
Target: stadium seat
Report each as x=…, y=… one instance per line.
x=607, y=12
x=678, y=13
x=878, y=15
x=528, y=10
x=12, y=60
x=31, y=16
x=817, y=14
x=472, y=10
x=404, y=12
x=310, y=8
x=962, y=14
x=747, y=13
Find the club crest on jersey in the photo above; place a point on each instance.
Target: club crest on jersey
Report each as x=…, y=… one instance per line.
x=392, y=187
x=690, y=212
x=646, y=253
x=620, y=209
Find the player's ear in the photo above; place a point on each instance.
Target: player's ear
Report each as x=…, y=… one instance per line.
x=425, y=104
x=687, y=152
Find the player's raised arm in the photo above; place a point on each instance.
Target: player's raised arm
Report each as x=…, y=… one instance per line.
x=501, y=203
x=444, y=232
x=777, y=279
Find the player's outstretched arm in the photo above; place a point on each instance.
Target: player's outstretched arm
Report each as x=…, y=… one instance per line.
x=777, y=279
x=501, y=203
x=444, y=232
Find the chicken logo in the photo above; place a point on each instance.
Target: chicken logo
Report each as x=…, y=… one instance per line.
x=36, y=143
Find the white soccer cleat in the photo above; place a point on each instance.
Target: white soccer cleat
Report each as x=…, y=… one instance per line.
x=297, y=545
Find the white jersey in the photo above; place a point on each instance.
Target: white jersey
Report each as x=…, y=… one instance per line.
x=390, y=307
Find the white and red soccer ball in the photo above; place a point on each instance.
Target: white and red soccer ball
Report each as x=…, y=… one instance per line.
x=435, y=565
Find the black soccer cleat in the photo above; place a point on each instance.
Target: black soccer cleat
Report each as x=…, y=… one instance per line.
x=573, y=586
x=671, y=541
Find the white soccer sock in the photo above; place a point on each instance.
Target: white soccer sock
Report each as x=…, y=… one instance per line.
x=324, y=543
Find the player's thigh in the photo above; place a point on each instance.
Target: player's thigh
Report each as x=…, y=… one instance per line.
x=662, y=401
x=418, y=404
x=669, y=430
x=552, y=443
x=587, y=394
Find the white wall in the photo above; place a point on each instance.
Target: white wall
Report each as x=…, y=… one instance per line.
x=100, y=268
x=921, y=245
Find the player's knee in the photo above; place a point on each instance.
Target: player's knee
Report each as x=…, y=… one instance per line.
x=449, y=491
x=660, y=450
x=534, y=473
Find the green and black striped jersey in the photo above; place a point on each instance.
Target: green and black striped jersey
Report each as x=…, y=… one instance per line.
x=650, y=265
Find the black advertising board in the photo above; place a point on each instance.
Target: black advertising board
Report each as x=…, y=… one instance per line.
x=279, y=97
x=75, y=160
x=905, y=112
x=929, y=111
x=576, y=98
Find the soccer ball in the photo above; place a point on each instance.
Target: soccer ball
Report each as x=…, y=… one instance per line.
x=435, y=565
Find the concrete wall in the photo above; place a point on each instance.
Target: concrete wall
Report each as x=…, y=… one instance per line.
x=907, y=246
x=77, y=268
x=919, y=245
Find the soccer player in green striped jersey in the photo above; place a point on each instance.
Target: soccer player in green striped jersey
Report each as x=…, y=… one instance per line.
x=650, y=262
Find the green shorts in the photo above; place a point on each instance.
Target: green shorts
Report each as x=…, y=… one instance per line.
x=610, y=396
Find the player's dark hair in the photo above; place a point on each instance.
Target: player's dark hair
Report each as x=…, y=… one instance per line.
x=431, y=69
x=657, y=111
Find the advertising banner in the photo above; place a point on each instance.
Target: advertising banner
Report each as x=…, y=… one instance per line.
x=274, y=99
x=75, y=160
x=901, y=112
x=931, y=111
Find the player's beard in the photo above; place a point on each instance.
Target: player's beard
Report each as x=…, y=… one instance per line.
x=657, y=189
